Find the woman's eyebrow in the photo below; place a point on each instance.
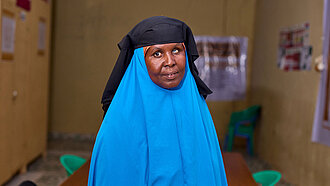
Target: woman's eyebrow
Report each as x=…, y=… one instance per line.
x=179, y=44
x=157, y=48
x=153, y=49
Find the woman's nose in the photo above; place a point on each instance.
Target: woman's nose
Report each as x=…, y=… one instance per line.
x=169, y=60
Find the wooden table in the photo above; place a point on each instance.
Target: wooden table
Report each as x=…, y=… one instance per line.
x=238, y=174
x=79, y=177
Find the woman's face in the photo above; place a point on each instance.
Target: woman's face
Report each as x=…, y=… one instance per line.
x=166, y=64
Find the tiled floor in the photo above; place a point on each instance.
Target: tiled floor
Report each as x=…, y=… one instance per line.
x=49, y=172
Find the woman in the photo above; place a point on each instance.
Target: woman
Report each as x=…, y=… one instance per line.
x=157, y=129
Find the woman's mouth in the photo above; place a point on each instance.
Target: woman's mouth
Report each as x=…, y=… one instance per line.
x=171, y=76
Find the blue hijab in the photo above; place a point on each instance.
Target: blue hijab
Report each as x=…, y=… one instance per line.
x=156, y=136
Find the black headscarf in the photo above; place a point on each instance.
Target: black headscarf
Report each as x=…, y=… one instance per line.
x=151, y=31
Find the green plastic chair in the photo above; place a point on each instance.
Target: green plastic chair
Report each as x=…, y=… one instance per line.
x=71, y=163
x=242, y=123
x=267, y=178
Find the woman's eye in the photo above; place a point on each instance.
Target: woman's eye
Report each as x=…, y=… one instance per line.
x=175, y=51
x=157, y=54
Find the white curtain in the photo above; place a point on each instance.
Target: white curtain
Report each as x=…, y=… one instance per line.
x=321, y=128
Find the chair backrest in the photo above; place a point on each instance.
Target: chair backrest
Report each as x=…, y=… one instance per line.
x=250, y=115
x=267, y=178
x=71, y=163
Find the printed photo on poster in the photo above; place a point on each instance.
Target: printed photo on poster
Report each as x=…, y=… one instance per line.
x=8, y=27
x=221, y=65
x=294, y=52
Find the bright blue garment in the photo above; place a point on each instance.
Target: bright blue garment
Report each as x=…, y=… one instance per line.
x=155, y=136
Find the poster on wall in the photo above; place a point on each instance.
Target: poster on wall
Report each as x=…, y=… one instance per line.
x=42, y=36
x=321, y=127
x=222, y=66
x=294, y=51
x=8, y=27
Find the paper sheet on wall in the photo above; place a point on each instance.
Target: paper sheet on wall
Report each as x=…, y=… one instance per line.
x=8, y=35
x=221, y=65
x=42, y=36
x=321, y=127
x=294, y=52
